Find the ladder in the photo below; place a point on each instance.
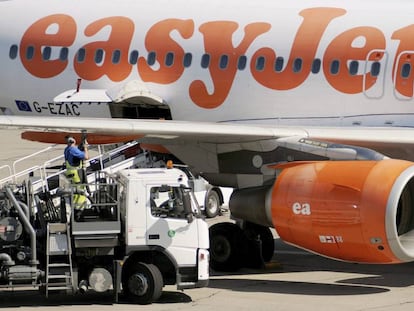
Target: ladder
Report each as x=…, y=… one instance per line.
x=59, y=272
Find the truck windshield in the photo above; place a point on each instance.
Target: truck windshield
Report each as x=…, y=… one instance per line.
x=170, y=201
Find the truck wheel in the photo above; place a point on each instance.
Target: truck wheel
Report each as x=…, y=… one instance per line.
x=143, y=283
x=228, y=247
x=212, y=204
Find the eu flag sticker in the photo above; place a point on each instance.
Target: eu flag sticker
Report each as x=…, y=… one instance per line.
x=23, y=105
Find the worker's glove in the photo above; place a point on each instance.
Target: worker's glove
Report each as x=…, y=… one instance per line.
x=83, y=145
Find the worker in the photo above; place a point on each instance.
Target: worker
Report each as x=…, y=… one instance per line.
x=74, y=158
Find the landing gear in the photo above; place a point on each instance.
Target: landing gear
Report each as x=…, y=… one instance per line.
x=232, y=248
x=142, y=283
x=261, y=244
x=228, y=247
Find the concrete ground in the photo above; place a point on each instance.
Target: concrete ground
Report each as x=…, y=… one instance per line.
x=296, y=280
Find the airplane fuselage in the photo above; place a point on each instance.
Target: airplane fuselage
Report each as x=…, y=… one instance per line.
x=319, y=62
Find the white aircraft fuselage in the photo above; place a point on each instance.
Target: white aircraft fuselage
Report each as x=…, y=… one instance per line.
x=301, y=62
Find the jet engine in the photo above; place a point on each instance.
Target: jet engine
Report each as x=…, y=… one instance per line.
x=358, y=211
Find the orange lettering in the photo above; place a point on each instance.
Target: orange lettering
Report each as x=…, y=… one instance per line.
x=304, y=48
x=218, y=42
x=115, y=62
x=51, y=31
x=404, y=81
x=342, y=50
x=158, y=40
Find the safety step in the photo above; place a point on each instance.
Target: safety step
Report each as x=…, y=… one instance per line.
x=59, y=288
x=58, y=276
x=58, y=244
x=186, y=285
x=54, y=284
x=59, y=265
x=57, y=228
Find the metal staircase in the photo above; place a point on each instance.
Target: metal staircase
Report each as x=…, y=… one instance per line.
x=59, y=272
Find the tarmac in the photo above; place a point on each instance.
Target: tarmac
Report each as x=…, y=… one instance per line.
x=294, y=280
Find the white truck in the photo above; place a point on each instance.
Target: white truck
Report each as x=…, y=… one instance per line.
x=138, y=230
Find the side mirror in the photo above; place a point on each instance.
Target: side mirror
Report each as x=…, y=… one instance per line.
x=187, y=207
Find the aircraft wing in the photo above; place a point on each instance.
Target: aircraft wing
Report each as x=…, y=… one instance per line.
x=239, y=155
x=156, y=129
x=378, y=138
x=210, y=131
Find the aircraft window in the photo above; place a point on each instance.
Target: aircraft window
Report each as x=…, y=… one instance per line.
x=188, y=58
x=133, y=57
x=64, y=53
x=335, y=67
x=406, y=70
x=46, y=53
x=30, y=52
x=169, y=59
x=316, y=65
x=279, y=64
x=116, y=56
x=297, y=65
x=13, y=51
x=99, y=54
x=375, y=69
x=224, y=61
x=242, y=62
x=260, y=63
x=205, y=60
x=353, y=67
x=81, y=55
x=151, y=58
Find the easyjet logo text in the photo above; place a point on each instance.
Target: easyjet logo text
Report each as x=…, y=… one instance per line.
x=218, y=41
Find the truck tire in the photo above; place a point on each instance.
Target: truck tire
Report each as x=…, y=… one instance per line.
x=143, y=283
x=228, y=247
x=212, y=204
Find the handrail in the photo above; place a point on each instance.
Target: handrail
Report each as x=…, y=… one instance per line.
x=44, y=176
x=31, y=156
x=4, y=167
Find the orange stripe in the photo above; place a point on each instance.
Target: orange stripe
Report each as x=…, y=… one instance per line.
x=93, y=139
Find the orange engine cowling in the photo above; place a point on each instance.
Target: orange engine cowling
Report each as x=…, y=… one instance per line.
x=359, y=211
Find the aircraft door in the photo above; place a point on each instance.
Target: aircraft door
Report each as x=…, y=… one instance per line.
x=403, y=76
x=134, y=100
x=374, y=73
